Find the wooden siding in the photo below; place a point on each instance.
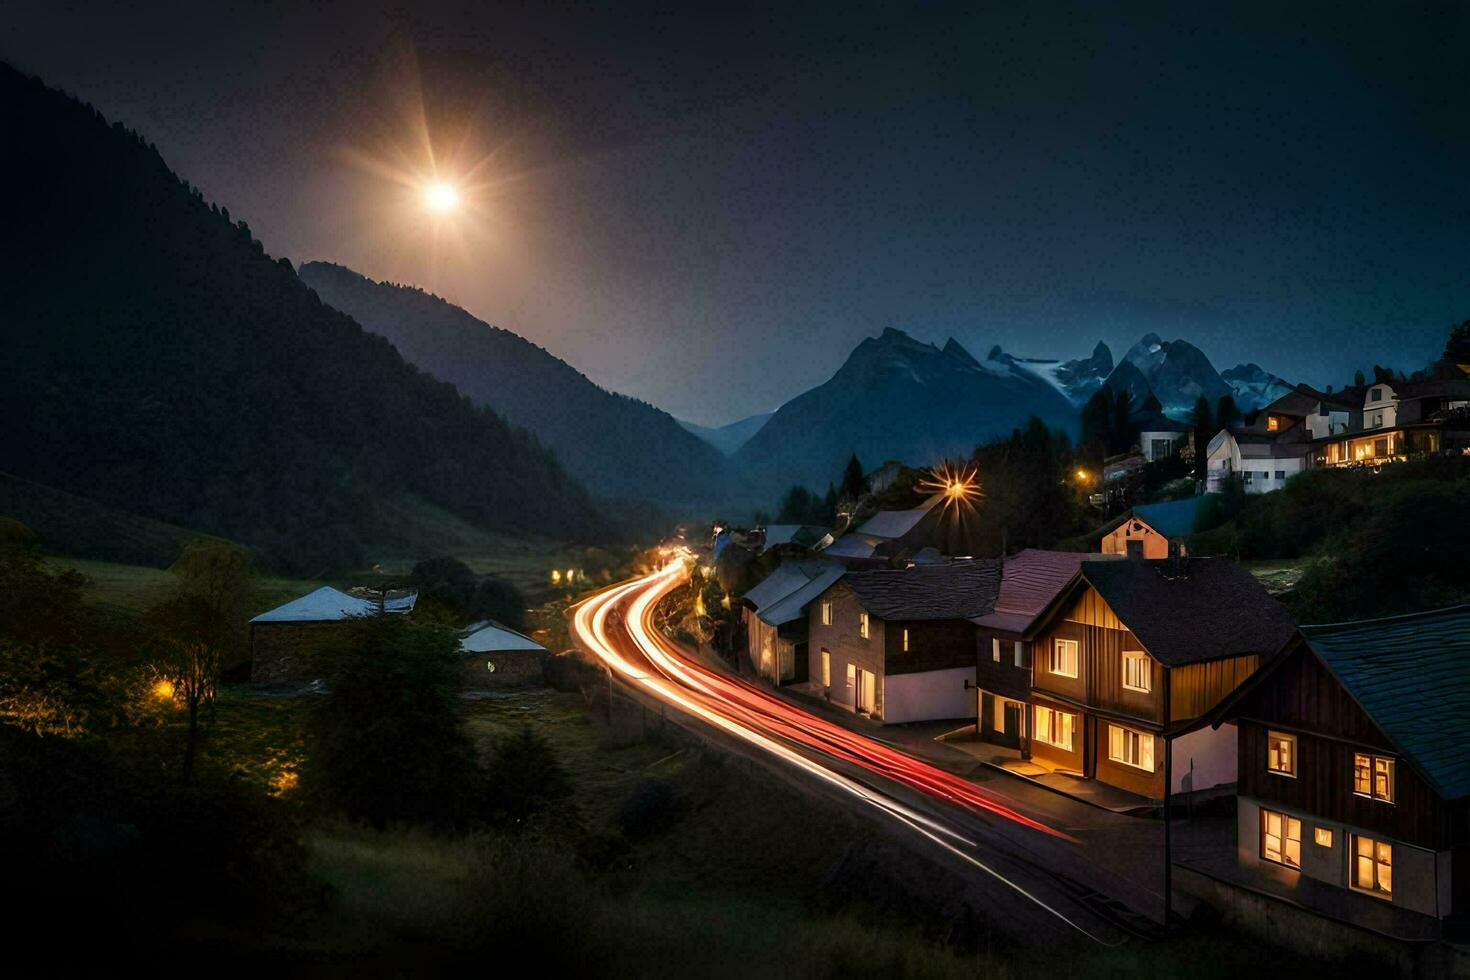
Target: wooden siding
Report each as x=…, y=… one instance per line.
x=1302, y=694
x=1121, y=775
x=1101, y=639
x=1004, y=677
x=1194, y=689
x=1323, y=786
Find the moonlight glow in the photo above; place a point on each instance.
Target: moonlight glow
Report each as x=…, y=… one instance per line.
x=440, y=197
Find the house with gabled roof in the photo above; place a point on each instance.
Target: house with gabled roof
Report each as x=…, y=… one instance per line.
x=285, y=642
x=1354, y=756
x=775, y=617
x=1130, y=658
x=889, y=535
x=497, y=656
x=898, y=644
x=1029, y=581
x=1148, y=530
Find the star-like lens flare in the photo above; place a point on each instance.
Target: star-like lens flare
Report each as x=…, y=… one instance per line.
x=960, y=484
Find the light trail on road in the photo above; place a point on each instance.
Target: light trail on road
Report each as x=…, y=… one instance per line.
x=781, y=730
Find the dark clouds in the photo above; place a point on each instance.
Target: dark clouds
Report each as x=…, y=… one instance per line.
x=711, y=208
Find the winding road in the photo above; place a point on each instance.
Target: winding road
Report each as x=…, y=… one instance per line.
x=1026, y=870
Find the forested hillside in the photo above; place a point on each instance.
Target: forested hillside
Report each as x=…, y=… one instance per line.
x=618, y=445
x=157, y=360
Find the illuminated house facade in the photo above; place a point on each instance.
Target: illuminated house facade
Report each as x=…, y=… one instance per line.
x=1405, y=421
x=1354, y=749
x=1129, y=659
x=898, y=644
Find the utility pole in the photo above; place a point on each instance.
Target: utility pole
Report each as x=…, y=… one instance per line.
x=1168, y=830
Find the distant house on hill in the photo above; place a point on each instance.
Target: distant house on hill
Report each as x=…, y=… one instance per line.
x=1160, y=437
x=1148, y=529
x=798, y=536
x=775, y=615
x=497, y=656
x=285, y=643
x=898, y=644
x=1354, y=792
x=890, y=534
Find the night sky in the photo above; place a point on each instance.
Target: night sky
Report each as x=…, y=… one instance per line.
x=708, y=210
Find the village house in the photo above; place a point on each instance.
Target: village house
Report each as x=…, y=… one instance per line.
x=286, y=643
x=1354, y=789
x=1160, y=437
x=1402, y=421
x=1129, y=658
x=775, y=617
x=1029, y=581
x=898, y=644
x=496, y=656
x=1148, y=530
x=890, y=535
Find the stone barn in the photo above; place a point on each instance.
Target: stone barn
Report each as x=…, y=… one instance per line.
x=286, y=642
x=497, y=656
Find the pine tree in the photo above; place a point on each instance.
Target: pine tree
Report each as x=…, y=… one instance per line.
x=854, y=483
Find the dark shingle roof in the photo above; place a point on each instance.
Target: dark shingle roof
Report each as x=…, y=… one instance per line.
x=1029, y=581
x=1412, y=675
x=1210, y=608
x=961, y=589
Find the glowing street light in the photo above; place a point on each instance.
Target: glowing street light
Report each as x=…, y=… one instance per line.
x=441, y=197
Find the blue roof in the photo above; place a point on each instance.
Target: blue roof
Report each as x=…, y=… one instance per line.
x=1411, y=674
x=784, y=595
x=1172, y=518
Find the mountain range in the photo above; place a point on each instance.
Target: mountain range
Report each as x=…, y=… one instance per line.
x=897, y=398
x=159, y=361
x=619, y=446
x=729, y=438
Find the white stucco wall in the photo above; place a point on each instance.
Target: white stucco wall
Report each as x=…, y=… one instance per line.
x=929, y=696
x=1213, y=753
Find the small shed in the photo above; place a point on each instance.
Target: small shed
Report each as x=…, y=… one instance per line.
x=1148, y=529
x=497, y=656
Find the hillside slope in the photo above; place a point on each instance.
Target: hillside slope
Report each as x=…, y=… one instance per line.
x=618, y=445
x=157, y=360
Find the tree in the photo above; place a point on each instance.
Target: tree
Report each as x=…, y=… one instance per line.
x=854, y=483
x=1123, y=431
x=526, y=777
x=1152, y=405
x=1204, y=430
x=387, y=742
x=199, y=628
x=1227, y=413
x=450, y=585
x=1358, y=379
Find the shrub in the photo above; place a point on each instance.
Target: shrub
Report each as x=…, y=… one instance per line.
x=648, y=809
x=526, y=777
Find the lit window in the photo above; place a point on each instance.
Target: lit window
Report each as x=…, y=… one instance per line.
x=863, y=625
x=1054, y=727
x=826, y=669
x=1272, y=423
x=1064, y=657
x=1281, y=753
x=826, y=613
x=995, y=650
x=1323, y=837
x=1372, y=866
x=1281, y=838
x=1373, y=776
x=905, y=640
x=1131, y=748
x=1137, y=671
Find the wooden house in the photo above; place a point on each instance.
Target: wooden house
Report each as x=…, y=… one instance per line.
x=1130, y=657
x=1354, y=748
x=1029, y=581
x=286, y=642
x=898, y=644
x=1148, y=530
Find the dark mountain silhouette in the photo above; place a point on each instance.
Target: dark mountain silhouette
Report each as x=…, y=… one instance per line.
x=898, y=398
x=620, y=446
x=1254, y=386
x=157, y=360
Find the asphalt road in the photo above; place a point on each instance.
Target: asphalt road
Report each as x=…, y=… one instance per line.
x=1024, y=869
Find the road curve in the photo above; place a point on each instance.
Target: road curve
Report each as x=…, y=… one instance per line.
x=1019, y=856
